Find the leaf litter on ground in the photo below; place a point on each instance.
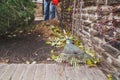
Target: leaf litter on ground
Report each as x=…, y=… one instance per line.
x=56, y=38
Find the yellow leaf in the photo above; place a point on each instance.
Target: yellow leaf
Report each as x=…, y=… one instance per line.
x=90, y=63
x=69, y=9
x=53, y=56
x=48, y=42
x=52, y=51
x=81, y=47
x=109, y=77
x=27, y=62
x=90, y=53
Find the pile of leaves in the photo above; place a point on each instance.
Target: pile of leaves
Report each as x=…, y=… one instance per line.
x=15, y=15
x=57, y=39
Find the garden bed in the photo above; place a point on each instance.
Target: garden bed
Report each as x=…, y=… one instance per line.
x=27, y=47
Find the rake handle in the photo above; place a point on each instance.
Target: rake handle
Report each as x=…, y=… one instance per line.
x=61, y=25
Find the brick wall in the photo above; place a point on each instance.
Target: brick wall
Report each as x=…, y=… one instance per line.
x=98, y=26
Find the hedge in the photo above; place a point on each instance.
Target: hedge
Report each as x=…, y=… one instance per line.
x=15, y=15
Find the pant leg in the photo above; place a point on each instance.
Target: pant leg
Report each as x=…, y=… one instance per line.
x=52, y=11
x=46, y=10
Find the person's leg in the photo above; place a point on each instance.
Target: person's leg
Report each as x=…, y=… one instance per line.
x=52, y=11
x=46, y=10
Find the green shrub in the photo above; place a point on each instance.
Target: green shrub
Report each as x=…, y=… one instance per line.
x=15, y=15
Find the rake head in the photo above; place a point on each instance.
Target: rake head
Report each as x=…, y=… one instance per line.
x=72, y=50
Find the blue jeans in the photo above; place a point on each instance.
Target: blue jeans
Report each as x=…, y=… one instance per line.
x=49, y=10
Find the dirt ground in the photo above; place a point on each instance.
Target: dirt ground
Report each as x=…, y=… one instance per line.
x=26, y=48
